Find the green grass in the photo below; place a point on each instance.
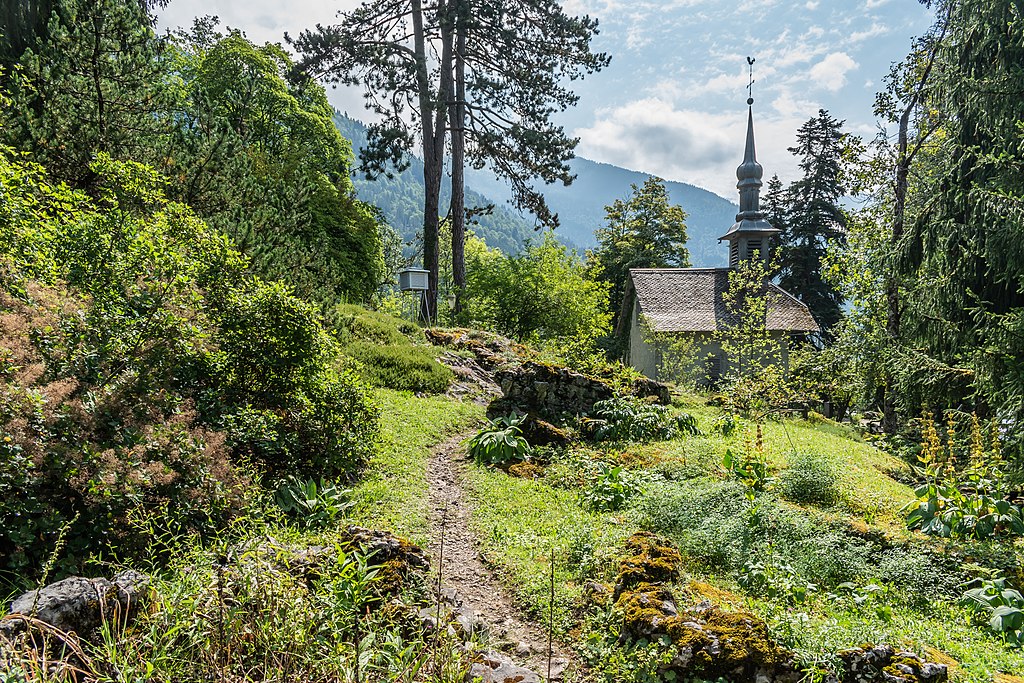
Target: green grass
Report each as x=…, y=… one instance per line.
x=392, y=493
x=860, y=537
x=519, y=522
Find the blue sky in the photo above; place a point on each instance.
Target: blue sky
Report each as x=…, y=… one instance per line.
x=672, y=103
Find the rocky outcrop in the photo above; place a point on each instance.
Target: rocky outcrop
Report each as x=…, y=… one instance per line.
x=707, y=641
x=79, y=605
x=884, y=664
x=712, y=643
x=494, y=667
x=550, y=391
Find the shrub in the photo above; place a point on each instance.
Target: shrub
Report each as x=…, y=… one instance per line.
x=391, y=351
x=312, y=503
x=500, y=443
x=404, y=367
x=144, y=368
x=810, y=479
x=1003, y=605
x=633, y=419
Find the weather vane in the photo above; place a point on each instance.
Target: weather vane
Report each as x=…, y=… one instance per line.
x=750, y=85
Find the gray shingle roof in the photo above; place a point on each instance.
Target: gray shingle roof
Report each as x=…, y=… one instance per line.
x=690, y=300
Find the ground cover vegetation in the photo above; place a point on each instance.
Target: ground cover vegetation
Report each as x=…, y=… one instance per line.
x=188, y=387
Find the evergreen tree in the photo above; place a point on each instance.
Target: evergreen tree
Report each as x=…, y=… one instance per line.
x=642, y=231
x=494, y=73
x=92, y=81
x=812, y=218
x=967, y=247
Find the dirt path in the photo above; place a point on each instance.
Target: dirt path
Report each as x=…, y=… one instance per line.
x=464, y=571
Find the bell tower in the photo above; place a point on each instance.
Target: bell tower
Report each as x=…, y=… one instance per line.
x=751, y=235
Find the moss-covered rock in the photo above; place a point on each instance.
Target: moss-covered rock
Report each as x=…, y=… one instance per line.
x=649, y=560
x=526, y=470
x=884, y=664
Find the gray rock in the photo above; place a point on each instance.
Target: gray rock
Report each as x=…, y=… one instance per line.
x=494, y=667
x=79, y=605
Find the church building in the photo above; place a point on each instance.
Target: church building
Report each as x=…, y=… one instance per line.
x=689, y=301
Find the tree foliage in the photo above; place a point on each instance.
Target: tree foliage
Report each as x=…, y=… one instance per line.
x=642, y=231
x=810, y=218
x=259, y=157
x=493, y=72
x=542, y=293
x=143, y=367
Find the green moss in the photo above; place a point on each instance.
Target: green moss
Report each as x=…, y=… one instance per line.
x=650, y=560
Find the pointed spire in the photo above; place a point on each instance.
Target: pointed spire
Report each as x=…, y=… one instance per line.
x=751, y=233
x=749, y=172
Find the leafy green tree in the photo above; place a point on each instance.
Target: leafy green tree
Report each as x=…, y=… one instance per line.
x=542, y=293
x=811, y=218
x=258, y=156
x=642, y=231
x=92, y=82
x=501, y=67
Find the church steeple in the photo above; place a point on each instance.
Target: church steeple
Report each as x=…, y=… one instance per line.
x=751, y=235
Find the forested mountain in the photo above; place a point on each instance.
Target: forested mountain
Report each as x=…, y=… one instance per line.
x=580, y=206
x=401, y=200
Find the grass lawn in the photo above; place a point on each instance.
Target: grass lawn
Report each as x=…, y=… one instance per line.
x=858, y=537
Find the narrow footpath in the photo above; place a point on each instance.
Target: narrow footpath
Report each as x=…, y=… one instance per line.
x=465, y=574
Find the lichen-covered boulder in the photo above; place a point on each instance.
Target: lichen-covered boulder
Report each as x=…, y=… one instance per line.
x=884, y=664
x=494, y=667
x=707, y=641
x=648, y=560
x=79, y=605
x=396, y=557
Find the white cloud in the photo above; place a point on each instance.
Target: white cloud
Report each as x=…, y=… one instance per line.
x=830, y=73
x=876, y=29
x=701, y=148
x=812, y=5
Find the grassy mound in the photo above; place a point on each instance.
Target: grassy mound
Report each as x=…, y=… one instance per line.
x=392, y=353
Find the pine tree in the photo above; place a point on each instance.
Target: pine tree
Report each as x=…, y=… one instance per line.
x=91, y=82
x=813, y=219
x=495, y=73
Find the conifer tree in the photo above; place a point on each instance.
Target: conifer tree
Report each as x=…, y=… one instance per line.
x=91, y=82
x=812, y=218
x=493, y=72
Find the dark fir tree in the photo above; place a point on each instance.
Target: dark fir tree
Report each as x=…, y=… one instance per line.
x=968, y=245
x=642, y=231
x=493, y=72
x=812, y=218
x=775, y=203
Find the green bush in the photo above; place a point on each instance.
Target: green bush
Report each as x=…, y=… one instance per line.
x=810, y=479
x=405, y=367
x=146, y=373
x=391, y=352
x=612, y=488
x=628, y=418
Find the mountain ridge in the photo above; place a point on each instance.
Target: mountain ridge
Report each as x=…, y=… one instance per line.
x=580, y=206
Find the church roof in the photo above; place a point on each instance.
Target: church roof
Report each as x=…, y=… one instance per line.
x=690, y=300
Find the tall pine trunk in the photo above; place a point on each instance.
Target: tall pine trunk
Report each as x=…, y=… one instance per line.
x=457, y=114
x=433, y=118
